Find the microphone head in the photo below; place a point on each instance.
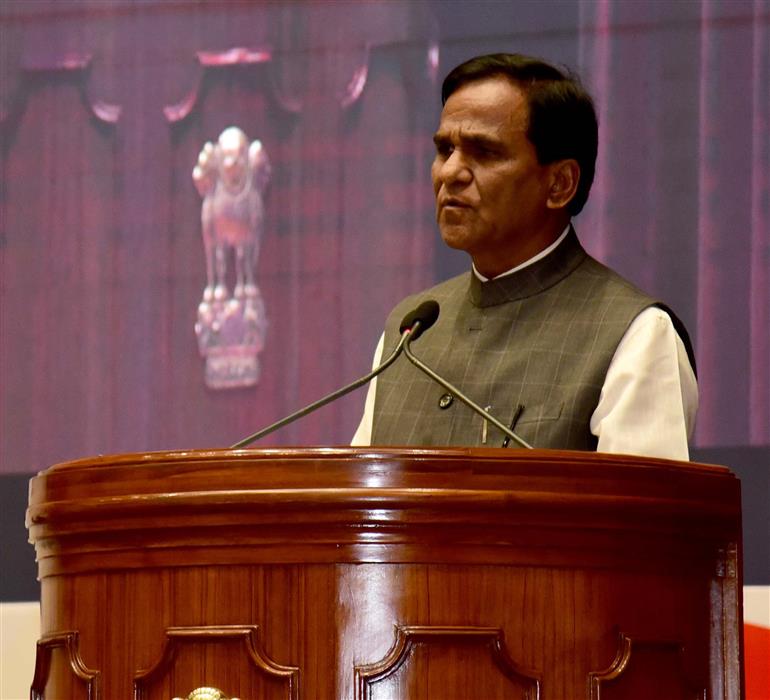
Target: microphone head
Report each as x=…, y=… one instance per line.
x=426, y=313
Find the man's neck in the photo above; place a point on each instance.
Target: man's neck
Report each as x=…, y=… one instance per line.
x=529, y=261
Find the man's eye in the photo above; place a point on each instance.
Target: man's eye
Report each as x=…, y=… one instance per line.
x=444, y=149
x=483, y=151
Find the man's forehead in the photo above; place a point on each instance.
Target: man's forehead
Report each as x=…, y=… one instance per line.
x=485, y=105
x=477, y=129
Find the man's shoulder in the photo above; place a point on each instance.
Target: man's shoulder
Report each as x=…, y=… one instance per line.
x=610, y=281
x=442, y=292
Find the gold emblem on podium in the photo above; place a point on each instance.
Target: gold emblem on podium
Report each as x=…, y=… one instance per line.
x=206, y=694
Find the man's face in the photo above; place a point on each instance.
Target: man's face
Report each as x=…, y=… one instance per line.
x=491, y=193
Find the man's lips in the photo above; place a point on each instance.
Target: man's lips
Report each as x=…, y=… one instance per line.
x=452, y=203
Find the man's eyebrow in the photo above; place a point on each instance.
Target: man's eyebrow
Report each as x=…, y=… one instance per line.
x=469, y=139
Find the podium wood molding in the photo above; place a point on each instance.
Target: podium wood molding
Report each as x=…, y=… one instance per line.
x=247, y=643
x=80, y=680
x=409, y=638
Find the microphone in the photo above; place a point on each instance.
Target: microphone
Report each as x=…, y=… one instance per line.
x=434, y=309
x=412, y=325
x=420, y=319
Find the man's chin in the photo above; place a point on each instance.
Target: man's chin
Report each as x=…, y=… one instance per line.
x=455, y=237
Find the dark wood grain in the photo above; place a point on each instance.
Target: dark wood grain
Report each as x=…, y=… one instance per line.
x=343, y=558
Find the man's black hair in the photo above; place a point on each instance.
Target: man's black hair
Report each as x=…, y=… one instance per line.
x=562, y=119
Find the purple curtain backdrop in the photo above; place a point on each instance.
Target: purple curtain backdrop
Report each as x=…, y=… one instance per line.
x=105, y=105
x=682, y=199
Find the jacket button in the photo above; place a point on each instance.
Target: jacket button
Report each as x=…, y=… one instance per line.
x=446, y=401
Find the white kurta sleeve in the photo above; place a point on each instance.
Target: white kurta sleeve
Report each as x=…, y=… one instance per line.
x=649, y=398
x=363, y=435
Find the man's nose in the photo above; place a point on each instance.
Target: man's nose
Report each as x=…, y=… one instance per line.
x=455, y=169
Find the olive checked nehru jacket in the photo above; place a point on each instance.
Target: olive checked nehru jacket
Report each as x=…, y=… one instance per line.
x=533, y=346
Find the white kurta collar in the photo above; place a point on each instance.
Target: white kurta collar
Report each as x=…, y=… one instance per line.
x=526, y=263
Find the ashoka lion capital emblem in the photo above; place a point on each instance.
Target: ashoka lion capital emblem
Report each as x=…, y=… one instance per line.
x=231, y=176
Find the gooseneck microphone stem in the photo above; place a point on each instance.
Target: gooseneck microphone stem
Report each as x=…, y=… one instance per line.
x=456, y=392
x=414, y=329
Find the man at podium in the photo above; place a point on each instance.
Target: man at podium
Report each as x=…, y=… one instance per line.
x=550, y=341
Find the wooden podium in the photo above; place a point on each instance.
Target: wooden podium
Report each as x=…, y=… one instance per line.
x=341, y=574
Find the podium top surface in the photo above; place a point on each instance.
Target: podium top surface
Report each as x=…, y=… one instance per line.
x=339, y=468
x=373, y=504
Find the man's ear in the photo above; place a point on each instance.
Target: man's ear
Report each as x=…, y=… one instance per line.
x=565, y=175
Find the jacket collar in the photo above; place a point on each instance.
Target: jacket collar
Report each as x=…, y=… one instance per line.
x=532, y=279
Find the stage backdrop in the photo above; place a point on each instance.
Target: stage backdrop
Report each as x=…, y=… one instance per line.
x=104, y=108
x=105, y=105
